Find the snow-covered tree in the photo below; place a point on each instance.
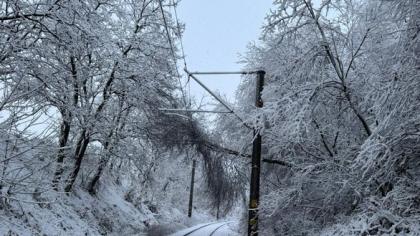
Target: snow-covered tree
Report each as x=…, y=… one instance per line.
x=97, y=71
x=340, y=103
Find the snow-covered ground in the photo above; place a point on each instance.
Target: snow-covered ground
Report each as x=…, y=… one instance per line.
x=110, y=212
x=77, y=214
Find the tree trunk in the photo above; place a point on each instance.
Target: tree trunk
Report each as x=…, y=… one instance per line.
x=79, y=155
x=92, y=185
x=65, y=126
x=102, y=165
x=64, y=134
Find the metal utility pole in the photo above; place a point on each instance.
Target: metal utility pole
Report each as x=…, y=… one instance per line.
x=254, y=196
x=191, y=190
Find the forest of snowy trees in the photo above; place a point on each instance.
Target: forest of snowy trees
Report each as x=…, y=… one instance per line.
x=81, y=84
x=342, y=108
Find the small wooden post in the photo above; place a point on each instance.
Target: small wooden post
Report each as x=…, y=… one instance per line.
x=191, y=190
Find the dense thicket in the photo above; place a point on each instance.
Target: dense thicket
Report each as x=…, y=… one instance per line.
x=341, y=106
x=81, y=85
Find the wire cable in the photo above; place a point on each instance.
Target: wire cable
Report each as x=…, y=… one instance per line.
x=167, y=30
x=188, y=104
x=173, y=52
x=179, y=33
x=187, y=78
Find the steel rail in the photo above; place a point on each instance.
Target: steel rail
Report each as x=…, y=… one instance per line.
x=200, y=228
x=214, y=231
x=204, y=226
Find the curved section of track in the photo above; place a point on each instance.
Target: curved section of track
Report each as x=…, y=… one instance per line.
x=211, y=229
x=214, y=231
x=199, y=228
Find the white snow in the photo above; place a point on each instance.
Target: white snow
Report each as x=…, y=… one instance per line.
x=78, y=214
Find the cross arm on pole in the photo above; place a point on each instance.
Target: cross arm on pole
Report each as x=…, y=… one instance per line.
x=227, y=106
x=224, y=73
x=192, y=110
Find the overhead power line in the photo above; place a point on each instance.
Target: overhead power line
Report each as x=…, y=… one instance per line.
x=191, y=74
x=172, y=49
x=183, y=53
x=167, y=30
x=180, y=35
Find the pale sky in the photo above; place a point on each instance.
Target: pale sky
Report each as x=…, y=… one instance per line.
x=216, y=32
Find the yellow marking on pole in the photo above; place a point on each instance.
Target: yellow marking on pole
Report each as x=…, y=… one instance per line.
x=253, y=222
x=254, y=203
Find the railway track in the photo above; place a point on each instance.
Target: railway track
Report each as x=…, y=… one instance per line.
x=211, y=229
